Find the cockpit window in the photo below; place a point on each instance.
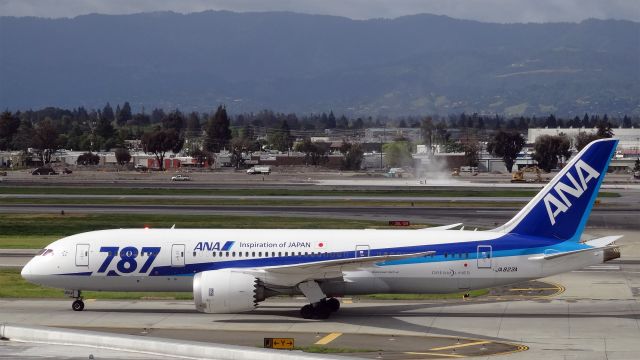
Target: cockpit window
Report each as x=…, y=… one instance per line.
x=45, y=252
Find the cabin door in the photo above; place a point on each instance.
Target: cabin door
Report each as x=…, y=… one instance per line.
x=484, y=256
x=362, y=251
x=82, y=255
x=177, y=255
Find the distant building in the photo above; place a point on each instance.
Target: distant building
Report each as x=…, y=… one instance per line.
x=629, y=145
x=386, y=135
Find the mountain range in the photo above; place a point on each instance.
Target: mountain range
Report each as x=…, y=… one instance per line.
x=289, y=62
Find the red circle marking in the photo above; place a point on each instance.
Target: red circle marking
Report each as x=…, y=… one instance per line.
x=320, y=245
x=465, y=264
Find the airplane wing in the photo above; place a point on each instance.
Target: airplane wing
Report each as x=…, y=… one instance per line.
x=290, y=275
x=444, y=227
x=596, y=244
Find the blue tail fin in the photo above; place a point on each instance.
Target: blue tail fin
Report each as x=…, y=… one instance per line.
x=561, y=209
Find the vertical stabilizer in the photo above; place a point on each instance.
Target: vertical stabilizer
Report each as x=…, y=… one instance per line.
x=561, y=209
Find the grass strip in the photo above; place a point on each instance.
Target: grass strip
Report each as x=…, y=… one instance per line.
x=33, y=231
x=12, y=285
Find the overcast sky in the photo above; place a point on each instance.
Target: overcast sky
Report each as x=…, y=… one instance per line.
x=482, y=10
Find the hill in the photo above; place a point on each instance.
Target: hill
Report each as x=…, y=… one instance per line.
x=307, y=63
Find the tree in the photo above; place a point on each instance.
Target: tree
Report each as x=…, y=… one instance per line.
x=159, y=141
x=342, y=122
x=122, y=156
x=506, y=145
x=45, y=140
x=398, y=154
x=281, y=139
x=238, y=146
x=426, y=128
x=124, y=114
x=88, y=158
x=548, y=150
x=107, y=113
x=175, y=120
x=471, y=150
x=604, y=128
x=202, y=157
x=9, y=125
x=353, y=155
x=104, y=129
x=23, y=138
x=583, y=139
x=217, y=131
x=315, y=153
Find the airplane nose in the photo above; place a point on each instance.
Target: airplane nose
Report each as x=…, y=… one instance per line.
x=27, y=270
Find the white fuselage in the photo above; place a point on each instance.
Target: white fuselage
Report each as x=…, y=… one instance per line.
x=167, y=259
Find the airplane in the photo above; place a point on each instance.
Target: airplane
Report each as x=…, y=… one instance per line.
x=232, y=270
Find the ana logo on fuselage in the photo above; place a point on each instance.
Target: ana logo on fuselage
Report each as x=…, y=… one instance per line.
x=560, y=201
x=210, y=246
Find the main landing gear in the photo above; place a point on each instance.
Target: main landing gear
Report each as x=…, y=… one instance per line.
x=78, y=304
x=320, y=306
x=321, y=309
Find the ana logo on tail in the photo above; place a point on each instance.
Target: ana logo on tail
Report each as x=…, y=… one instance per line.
x=560, y=202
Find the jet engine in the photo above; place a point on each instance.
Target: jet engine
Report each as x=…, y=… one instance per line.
x=226, y=291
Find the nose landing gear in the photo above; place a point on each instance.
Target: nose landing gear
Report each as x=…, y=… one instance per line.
x=78, y=304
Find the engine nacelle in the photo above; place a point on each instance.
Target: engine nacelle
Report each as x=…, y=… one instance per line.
x=226, y=291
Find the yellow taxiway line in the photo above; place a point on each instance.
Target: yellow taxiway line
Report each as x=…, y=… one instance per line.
x=460, y=345
x=329, y=338
x=434, y=354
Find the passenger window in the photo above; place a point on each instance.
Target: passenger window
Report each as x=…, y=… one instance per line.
x=286, y=253
x=227, y=254
x=233, y=254
x=240, y=254
x=214, y=254
x=445, y=255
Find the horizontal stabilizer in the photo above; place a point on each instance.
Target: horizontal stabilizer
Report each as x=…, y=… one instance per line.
x=597, y=244
x=603, y=241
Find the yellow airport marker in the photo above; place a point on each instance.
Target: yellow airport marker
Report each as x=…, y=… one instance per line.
x=347, y=300
x=434, y=354
x=460, y=345
x=329, y=338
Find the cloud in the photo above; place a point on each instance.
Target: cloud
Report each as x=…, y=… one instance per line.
x=482, y=10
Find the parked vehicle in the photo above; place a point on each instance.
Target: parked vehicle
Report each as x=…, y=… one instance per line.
x=45, y=170
x=180, y=177
x=259, y=170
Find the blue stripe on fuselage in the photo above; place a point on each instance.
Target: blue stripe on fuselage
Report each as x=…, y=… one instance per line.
x=507, y=245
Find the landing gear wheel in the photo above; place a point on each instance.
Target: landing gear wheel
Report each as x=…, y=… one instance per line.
x=77, y=305
x=306, y=311
x=333, y=304
x=321, y=311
